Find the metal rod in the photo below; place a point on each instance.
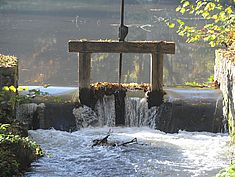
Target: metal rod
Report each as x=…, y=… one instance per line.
x=122, y=13
x=120, y=69
x=120, y=58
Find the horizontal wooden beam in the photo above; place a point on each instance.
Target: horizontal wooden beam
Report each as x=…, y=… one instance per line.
x=121, y=47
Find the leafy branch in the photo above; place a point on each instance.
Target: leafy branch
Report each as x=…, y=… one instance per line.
x=219, y=27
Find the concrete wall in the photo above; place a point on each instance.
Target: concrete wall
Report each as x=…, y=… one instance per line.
x=225, y=76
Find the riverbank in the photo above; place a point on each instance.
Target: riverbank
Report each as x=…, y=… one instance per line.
x=17, y=150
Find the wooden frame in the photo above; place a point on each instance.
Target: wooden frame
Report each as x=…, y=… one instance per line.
x=156, y=48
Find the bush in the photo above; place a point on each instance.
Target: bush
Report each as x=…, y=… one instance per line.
x=16, y=152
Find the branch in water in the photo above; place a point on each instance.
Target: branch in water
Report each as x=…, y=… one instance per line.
x=104, y=142
x=129, y=142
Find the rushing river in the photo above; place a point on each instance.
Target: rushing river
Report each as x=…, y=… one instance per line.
x=156, y=155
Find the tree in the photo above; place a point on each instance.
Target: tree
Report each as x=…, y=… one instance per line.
x=219, y=26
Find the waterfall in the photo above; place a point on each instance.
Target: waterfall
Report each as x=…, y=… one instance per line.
x=106, y=111
x=29, y=114
x=191, y=110
x=136, y=113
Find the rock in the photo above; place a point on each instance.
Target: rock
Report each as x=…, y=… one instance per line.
x=85, y=117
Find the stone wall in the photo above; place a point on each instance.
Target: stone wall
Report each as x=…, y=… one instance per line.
x=8, y=77
x=225, y=76
x=8, y=71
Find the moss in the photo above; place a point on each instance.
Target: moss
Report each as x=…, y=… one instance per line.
x=7, y=61
x=110, y=88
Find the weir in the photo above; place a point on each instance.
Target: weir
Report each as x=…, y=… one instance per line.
x=155, y=48
x=183, y=109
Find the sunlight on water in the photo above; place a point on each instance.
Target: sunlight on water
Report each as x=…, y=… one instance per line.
x=156, y=154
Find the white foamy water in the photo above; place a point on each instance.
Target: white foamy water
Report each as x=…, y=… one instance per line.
x=156, y=155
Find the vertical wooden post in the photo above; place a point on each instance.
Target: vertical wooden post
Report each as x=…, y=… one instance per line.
x=120, y=111
x=84, y=79
x=156, y=74
x=155, y=96
x=84, y=70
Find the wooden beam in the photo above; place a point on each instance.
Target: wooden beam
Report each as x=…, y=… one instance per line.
x=121, y=47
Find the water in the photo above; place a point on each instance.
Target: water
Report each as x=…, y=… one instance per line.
x=37, y=32
x=156, y=154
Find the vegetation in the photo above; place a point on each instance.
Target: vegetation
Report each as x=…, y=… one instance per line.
x=211, y=83
x=219, y=26
x=17, y=151
x=9, y=98
x=116, y=86
x=227, y=172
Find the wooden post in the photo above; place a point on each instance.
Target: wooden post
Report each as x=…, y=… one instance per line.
x=156, y=73
x=84, y=70
x=84, y=78
x=155, y=96
x=120, y=112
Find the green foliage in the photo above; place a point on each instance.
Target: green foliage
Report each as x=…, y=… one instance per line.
x=21, y=99
x=219, y=27
x=3, y=129
x=13, y=96
x=16, y=152
x=10, y=98
x=227, y=172
x=210, y=83
x=193, y=84
x=211, y=79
